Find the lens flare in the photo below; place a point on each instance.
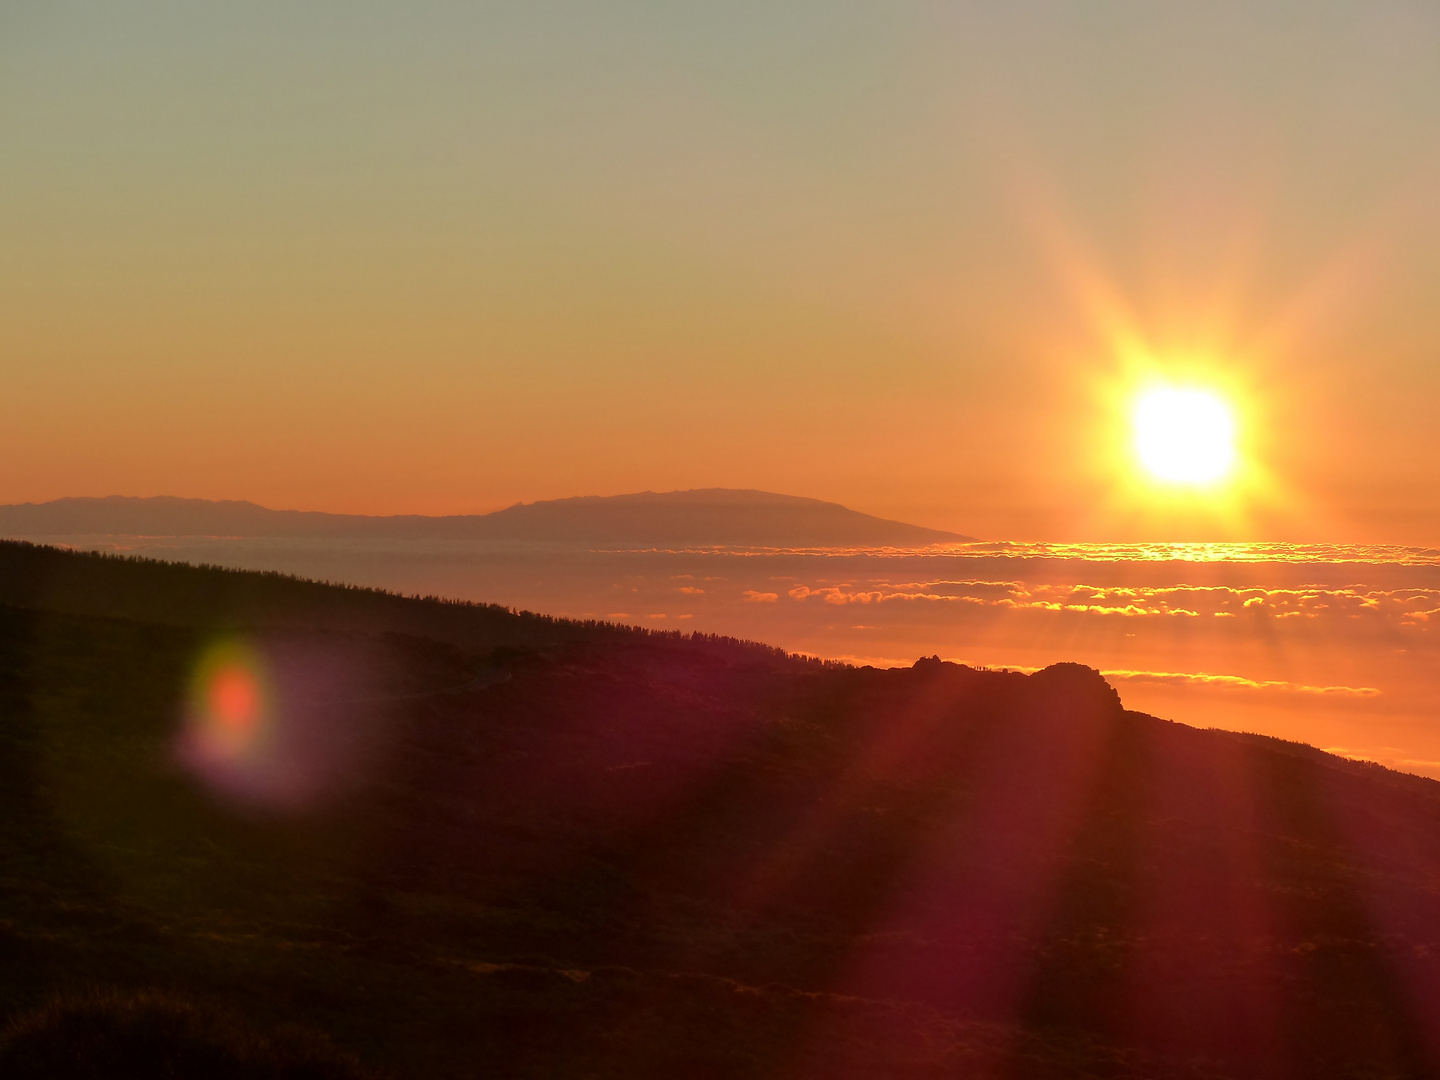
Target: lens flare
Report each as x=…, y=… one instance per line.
x=234, y=700
x=230, y=717
x=1184, y=436
x=278, y=723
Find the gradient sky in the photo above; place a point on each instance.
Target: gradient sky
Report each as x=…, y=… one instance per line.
x=442, y=257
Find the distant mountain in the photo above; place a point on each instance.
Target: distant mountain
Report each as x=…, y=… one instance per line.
x=704, y=516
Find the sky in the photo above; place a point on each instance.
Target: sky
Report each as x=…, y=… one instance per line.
x=919, y=258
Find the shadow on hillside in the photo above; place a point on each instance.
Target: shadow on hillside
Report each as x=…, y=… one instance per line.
x=647, y=856
x=141, y=1035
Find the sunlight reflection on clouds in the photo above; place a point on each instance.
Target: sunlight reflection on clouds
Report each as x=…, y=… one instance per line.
x=1190, y=601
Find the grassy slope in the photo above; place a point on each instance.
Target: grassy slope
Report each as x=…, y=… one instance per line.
x=645, y=856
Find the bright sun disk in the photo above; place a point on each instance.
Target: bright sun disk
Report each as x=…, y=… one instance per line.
x=1184, y=436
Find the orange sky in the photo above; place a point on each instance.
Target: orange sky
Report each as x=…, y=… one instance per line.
x=442, y=257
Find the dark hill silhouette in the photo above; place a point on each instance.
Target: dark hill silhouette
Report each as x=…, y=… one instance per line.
x=650, y=855
x=99, y=1036
x=709, y=516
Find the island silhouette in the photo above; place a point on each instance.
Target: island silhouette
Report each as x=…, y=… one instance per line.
x=707, y=516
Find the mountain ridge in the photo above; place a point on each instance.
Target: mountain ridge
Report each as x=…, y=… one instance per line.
x=540, y=848
x=702, y=516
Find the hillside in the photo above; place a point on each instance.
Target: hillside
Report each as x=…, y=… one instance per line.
x=477, y=843
x=704, y=517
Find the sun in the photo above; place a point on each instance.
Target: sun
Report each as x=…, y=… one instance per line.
x=1184, y=436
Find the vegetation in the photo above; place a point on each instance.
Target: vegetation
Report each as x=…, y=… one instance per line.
x=110, y=1036
x=579, y=850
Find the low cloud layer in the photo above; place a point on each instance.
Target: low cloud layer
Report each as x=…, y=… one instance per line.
x=1405, y=607
x=1206, y=681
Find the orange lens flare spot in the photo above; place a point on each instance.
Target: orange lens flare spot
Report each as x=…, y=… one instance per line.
x=234, y=699
x=230, y=700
